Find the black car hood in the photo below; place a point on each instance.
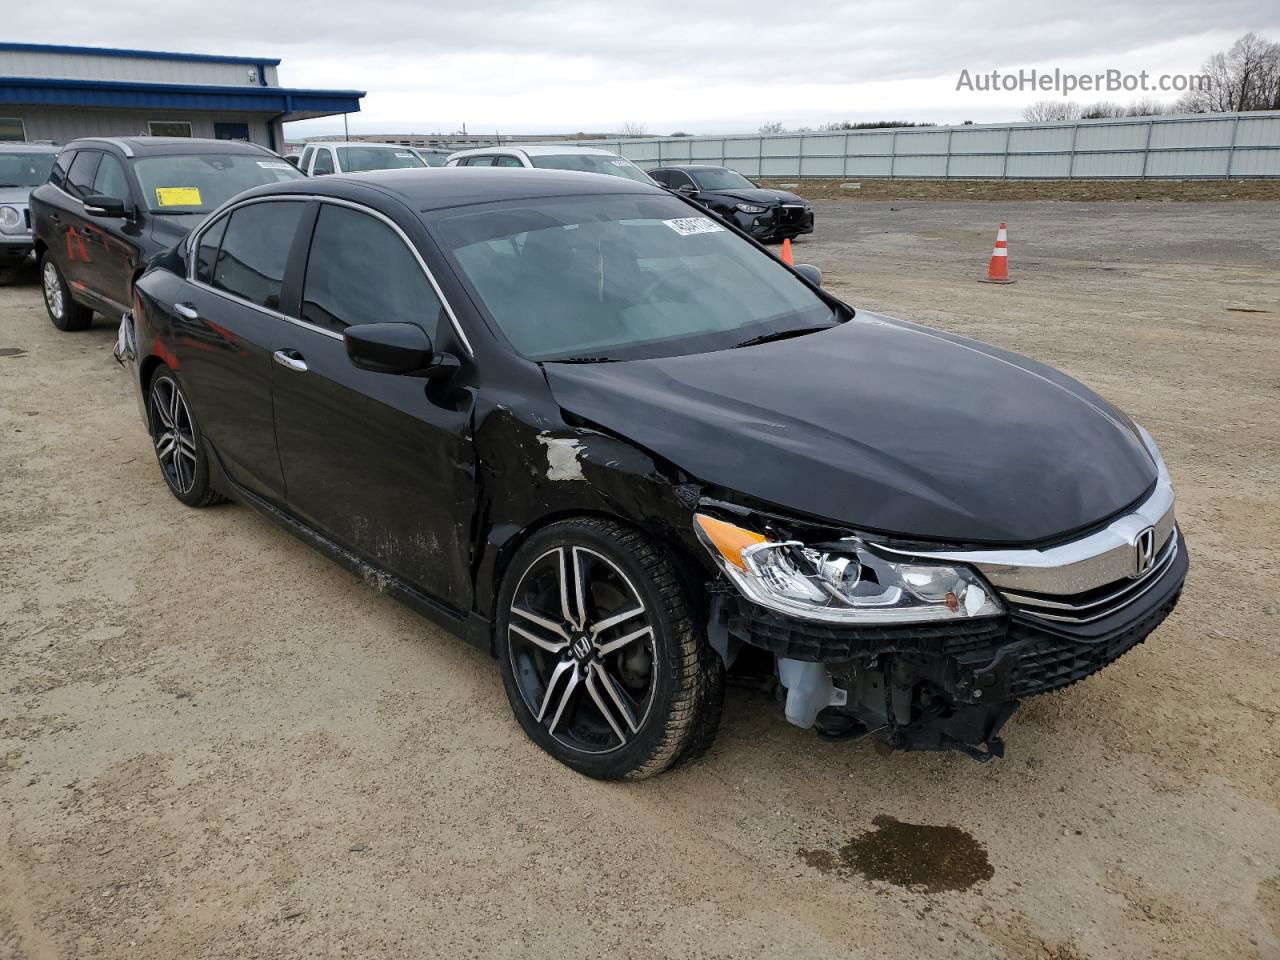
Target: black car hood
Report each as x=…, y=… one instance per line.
x=880, y=425
x=760, y=196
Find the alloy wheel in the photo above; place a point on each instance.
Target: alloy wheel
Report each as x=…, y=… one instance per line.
x=173, y=434
x=52, y=289
x=583, y=649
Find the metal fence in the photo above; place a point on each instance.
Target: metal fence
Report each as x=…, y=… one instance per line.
x=1196, y=146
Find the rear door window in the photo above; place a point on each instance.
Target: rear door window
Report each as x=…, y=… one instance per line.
x=359, y=270
x=80, y=176
x=506, y=162
x=255, y=249
x=58, y=176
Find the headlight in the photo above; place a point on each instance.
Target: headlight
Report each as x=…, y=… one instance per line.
x=9, y=217
x=843, y=582
x=750, y=208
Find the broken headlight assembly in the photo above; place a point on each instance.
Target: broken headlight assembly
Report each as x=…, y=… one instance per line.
x=843, y=582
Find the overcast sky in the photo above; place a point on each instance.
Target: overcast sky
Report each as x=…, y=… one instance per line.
x=717, y=66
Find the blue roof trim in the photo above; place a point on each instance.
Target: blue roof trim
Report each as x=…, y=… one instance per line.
x=176, y=96
x=139, y=54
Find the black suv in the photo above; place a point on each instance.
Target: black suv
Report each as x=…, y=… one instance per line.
x=112, y=203
x=765, y=214
x=623, y=449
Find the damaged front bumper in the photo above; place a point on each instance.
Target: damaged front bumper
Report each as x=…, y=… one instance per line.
x=126, y=354
x=945, y=686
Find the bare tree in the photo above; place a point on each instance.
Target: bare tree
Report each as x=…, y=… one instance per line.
x=773, y=126
x=631, y=128
x=1145, y=107
x=1103, y=108
x=1050, y=111
x=1246, y=77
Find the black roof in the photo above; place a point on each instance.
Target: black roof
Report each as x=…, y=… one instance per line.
x=689, y=167
x=433, y=188
x=170, y=146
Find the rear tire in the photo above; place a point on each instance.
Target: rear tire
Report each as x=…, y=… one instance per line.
x=601, y=660
x=65, y=313
x=178, y=442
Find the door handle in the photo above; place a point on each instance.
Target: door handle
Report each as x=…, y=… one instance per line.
x=290, y=360
x=186, y=311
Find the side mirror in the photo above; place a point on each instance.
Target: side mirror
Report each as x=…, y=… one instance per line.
x=399, y=348
x=809, y=272
x=686, y=188
x=97, y=206
x=292, y=158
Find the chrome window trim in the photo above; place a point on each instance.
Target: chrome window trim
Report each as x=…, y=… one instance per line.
x=193, y=240
x=1102, y=557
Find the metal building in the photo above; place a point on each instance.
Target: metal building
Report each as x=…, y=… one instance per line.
x=59, y=93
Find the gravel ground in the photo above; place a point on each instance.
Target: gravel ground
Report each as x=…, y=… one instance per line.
x=214, y=743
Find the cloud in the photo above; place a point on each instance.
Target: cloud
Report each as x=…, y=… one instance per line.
x=713, y=66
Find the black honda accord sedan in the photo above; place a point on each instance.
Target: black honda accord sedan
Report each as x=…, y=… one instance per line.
x=624, y=449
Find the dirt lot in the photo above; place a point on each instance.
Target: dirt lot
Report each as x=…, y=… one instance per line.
x=214, y=743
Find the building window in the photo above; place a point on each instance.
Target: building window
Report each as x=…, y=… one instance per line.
x=11, y=129
x=169, y=128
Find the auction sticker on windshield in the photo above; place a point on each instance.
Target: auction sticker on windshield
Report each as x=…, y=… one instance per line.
x=688, y=226
x=274, y=165
x=178, y=196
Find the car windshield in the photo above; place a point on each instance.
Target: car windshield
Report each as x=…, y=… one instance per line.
x=721, y=179
x=591, y=163
x=197, y=183
x=357, y=159
x=622, y=277
x=25, y=169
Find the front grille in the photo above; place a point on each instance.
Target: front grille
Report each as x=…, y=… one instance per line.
x=1051, y=661
x=788, y=215
x=1100, y=601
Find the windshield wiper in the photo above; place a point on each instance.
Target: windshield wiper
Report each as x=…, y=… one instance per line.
x=779, y=335
x=579, y=360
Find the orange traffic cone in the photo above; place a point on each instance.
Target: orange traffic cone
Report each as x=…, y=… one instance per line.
x=998, y=270
x=786, y=252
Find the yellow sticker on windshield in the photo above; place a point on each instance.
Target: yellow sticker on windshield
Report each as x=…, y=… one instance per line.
x=178, y=196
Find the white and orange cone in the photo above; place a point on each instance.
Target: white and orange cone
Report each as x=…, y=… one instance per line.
x=998, y=270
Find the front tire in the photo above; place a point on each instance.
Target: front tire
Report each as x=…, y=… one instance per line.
x=599, y=654
x=177, y=440
x=66, y=314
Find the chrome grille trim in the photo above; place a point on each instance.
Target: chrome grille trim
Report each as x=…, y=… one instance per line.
x=1066, y=611
x=1104, y=556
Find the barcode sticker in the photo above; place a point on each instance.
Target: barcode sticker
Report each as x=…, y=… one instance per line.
x=406, y=156
x=688, y=226
x=273, y=165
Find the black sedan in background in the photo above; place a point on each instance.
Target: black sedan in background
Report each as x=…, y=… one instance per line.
x=765, y=214
x=622, y=448
x=112, y=203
